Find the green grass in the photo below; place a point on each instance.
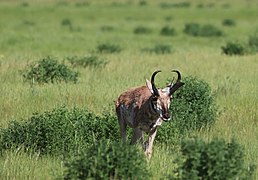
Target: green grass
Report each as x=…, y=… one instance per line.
x=29, y=33
x=18, y=165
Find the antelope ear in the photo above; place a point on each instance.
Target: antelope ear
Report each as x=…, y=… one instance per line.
x=149, y=86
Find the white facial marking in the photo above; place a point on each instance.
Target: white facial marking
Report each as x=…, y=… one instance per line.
x=165, y=90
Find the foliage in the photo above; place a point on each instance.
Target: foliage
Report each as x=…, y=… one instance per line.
x=237, y=48
x=106, y=28
x=106, y=160
x=175, y=5
x=24, y=4
x=159, y=49
x=82, y=4
x=168, y=31
x=67, y=23
x=228, y=22
x=234, y=48
x=29, y=23
x=87, y=61
x=207, y=30
x=193, y=107
x=168, y=18
x=59, y=131
x=49, y=70
x=143, y=3
x=253, y=42
x=108, y=48
x=142, y=30
x=214, y=160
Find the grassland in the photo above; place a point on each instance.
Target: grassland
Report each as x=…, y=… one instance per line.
x=33, y=30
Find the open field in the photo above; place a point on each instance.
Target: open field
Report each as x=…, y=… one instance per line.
x=32, y=30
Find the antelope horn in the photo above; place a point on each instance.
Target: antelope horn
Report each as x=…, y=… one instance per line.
x=178, y=83
x=155, y=90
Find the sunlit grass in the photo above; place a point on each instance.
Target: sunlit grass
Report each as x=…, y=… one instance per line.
x=19, y=165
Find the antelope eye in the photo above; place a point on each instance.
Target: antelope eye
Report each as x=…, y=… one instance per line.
x=154, y=98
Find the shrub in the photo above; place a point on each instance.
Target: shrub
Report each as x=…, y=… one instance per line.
x=82, y=4
x=253, y=42
x=142, y=3
x=168, y=18
x=108, y=48
x=234, y=48
x=193, y=107
x=49, y=70
x=28, y=23
x=107, y=28
x=207, y=30
x=60, y=131
x=214, y=160
x=168, y=31
x=226, y=6
x=175, y=5
x=67, y=23
x=87, y=61
x=142, y=30
x=24, y=4
x=159, y=49
x=105, y=160
x=228, y=22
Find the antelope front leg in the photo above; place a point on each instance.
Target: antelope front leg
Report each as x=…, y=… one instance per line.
x=149, y=143
x=137, y=135
x=122, y=125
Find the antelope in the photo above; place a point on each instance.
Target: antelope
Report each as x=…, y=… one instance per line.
x=144, y=109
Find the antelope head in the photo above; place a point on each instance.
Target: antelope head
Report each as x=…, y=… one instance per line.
x=160, y=98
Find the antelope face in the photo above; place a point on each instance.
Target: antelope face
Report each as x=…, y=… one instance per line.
x=161, y=104
x=161, y=98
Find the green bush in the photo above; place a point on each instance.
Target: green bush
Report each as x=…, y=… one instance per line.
x=106, y=28
x=168, y=31
x=108, y=48
x=29, y=23
x=159, y=49
x=207, y=30
x=214, y=160
x=143, y=3
x=67, y=23
x=234, y=48
x=24, y=4
x=253, y=42
x=228, y=22
x=142, y=30
x=60, y=131
x=87, y=61
x=193, y=107
x=237, y=48
x=105, y=160
x=82, y=4
x=168, y=18
x=175, y=5
x=49, y=70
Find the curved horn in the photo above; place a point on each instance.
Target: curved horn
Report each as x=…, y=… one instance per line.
x=178, y=83
x=155, y=90
x=178, y=75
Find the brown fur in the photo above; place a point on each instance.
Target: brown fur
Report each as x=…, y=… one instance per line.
x=138, y=116
x=144, y=109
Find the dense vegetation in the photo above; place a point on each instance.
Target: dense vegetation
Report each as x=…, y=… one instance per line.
x=79, y=56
